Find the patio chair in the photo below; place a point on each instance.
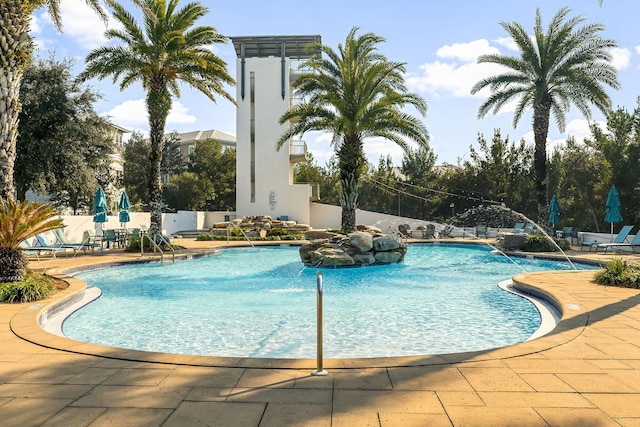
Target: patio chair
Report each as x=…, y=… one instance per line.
x=530, y=228
x=481, y=230
x=110, y=236
x=635, y=242
x=620, y=238
x=90, y=240
x=429, y=231
x=446, y=232
x=569, y=232
x=405, y=231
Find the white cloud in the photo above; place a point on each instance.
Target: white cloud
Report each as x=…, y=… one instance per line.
x=578, y=129
x=179, y=114
x=507, y=42
x=637, y=49
x=374, y=148
x=621, y=57
x=455, y=77
x=466, y=52
x=82, y=24
x=133, y=113
x=129, y=114
x=34, y=26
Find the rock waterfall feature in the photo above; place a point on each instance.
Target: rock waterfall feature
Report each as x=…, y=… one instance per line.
x=359, y=248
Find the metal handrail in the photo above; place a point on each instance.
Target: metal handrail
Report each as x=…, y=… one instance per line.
x=166, y=242
x=319, y=370
x=400, y=235
x=231, y=227
x=152, y=240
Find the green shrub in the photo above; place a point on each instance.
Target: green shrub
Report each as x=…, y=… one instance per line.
x=32, y=288
x=542, y=243
x=134, y=243
x=206, y=237
x=279, y=232
x=619, y=273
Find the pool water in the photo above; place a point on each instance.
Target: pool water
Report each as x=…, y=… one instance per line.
x=262, y=303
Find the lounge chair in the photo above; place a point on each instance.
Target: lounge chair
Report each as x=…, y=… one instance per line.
x=405, y=231
x=481, y=230
x=635, y=242
x=61, y=239
x=620, y=238
x=518, y=228
x=530, y=228
x=41, y=246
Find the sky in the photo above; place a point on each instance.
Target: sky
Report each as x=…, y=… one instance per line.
x=439, y=42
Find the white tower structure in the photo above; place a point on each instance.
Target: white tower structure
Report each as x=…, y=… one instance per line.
x=264, y=174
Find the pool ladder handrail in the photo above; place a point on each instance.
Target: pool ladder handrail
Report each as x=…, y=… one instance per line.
x=231, y=227
x=401, y=238
x=152, y=239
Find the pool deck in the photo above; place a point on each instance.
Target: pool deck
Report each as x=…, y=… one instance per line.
x=584, y=373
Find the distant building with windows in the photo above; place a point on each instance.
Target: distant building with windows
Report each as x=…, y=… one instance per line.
x=188, y=140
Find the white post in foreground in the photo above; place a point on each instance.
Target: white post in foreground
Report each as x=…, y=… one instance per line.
x=319, y=371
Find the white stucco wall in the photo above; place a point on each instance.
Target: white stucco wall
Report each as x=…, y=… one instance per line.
x=329, y=216
x=275, y=193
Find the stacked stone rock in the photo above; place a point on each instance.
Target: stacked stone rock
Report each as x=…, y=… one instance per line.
x=258, y=226
x=359, y=248
x=494, y=216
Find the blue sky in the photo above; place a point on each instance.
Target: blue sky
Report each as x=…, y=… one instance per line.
x=439, y=42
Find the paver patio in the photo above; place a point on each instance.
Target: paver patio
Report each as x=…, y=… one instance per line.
x=584, y=373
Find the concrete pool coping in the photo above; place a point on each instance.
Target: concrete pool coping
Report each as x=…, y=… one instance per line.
x=51, y=318
x=585, y=372
x=23, y=326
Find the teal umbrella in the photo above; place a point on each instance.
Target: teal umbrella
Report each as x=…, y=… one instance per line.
x=100, y=206
x=124, y=207
x=554, y=211
x=613, y=208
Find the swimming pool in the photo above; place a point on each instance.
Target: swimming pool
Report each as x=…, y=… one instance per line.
x=262, y=303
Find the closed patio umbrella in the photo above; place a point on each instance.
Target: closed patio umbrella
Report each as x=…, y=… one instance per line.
x=124, y=207
x=554, y=211
x=100, y=209
x=613, y=208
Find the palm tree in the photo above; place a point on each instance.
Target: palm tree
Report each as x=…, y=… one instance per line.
x=19, y=222
x=566, y=65
x=168, y=50
x=16, y=47
x=356, y=93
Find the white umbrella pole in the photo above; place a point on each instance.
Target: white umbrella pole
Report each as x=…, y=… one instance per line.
x=612, y=232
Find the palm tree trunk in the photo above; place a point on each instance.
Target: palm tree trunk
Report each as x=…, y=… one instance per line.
x=158, y=106
x=15, y=51
x=12, y=265
x=350, y=163
x=541, y=113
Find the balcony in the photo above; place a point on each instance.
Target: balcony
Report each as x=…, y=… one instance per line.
x=297, y=151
